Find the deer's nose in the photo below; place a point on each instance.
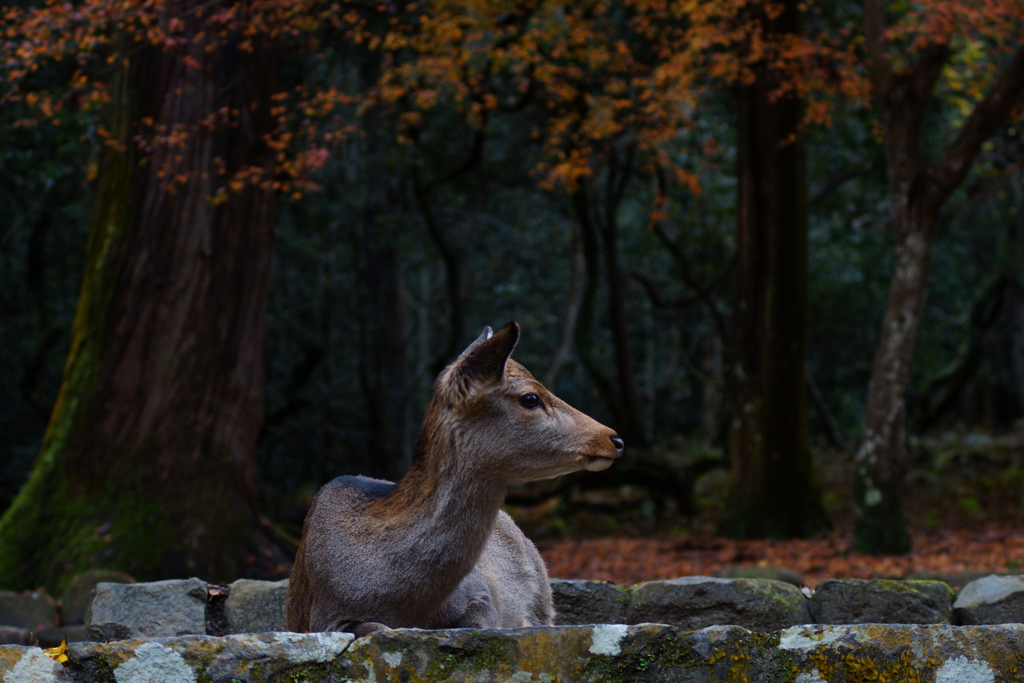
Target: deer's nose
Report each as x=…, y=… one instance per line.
x=619, y=443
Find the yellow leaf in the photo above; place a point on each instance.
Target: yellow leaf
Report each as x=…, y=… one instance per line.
x=59, y=653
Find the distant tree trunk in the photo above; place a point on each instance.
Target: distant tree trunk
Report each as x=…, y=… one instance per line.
x=711, y=392
x=385, y=371
x=772, y=487
x=572, y=310
x=621, y=394
x=918, y=192
x=148, y=462
x=632, y=417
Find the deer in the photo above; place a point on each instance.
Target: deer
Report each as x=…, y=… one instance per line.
x=435, y=550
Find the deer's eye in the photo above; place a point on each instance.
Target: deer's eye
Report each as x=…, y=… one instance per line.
x=529, y=401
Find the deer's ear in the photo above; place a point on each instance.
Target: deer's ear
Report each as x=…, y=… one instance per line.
x=481, y=367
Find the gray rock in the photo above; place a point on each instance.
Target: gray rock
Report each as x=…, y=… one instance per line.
x=760, y=572
x=12, y=635
x=34, y=610
x=47, y=637
x=256, y=606
x=78, y=594
x=857, y=601
x=955, y=580
x=588, y=602
x=19, y=664
x=991, y=600
x=147, y=610
x=694, y=602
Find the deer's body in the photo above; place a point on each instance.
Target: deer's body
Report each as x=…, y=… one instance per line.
x=434, y=550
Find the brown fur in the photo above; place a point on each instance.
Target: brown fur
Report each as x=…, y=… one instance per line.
x=435, y=551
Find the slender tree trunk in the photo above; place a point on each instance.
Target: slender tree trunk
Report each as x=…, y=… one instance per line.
x=572, y=310
x=917, y=192
x=585, y=322
x=385, y=375
x=883, y=453
x=148, y=462
x=772, y=486
x=628, y=421
x=711, y=391
x=384, y=369
x=631, y=425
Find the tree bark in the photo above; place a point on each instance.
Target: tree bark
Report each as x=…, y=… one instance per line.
x=148, y=462
x=917, y=192
x=772, y=488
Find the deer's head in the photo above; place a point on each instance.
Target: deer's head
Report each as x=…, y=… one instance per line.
x=502, y=421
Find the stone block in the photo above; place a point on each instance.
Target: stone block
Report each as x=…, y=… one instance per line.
x=31, y=610
x=588, y=602
x=695, y=602
x=120, y=611
x=858, y=601
x=760, y=572
x=78, y=594
x=256, y=606
x=12, y=635
x=991, y=600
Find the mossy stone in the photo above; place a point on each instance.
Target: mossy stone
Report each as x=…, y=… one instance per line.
x=859, y=601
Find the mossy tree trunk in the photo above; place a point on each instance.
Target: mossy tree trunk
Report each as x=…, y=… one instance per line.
x=772, y=487
x=148, y=462
x=918, y=191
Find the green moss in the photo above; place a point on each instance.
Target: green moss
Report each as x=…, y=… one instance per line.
x=52, y=533
x=880, y=528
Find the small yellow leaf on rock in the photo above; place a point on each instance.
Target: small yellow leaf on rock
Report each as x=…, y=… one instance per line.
x=59, y=653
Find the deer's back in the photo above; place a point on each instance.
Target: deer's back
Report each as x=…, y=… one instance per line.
x=333, y=553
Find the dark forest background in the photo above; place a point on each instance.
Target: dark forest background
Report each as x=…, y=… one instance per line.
x=408, y=250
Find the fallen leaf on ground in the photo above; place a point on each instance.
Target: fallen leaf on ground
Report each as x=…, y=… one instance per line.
x=59, y=653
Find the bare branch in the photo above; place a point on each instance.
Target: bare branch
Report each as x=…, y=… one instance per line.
x=984, y=120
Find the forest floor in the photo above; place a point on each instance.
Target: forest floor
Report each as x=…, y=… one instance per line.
x=632, y=560
x=964, y=506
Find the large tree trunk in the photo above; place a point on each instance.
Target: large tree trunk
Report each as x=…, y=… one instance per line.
x=148, y=462
x=772, y=487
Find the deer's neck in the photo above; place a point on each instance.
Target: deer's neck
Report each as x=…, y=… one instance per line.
x=440, y=517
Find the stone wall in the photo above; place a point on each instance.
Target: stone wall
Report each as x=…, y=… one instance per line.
x=174, y=608
x=607, y=653
x=689, y=629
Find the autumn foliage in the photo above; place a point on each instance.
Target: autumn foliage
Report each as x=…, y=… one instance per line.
x=596, y=71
